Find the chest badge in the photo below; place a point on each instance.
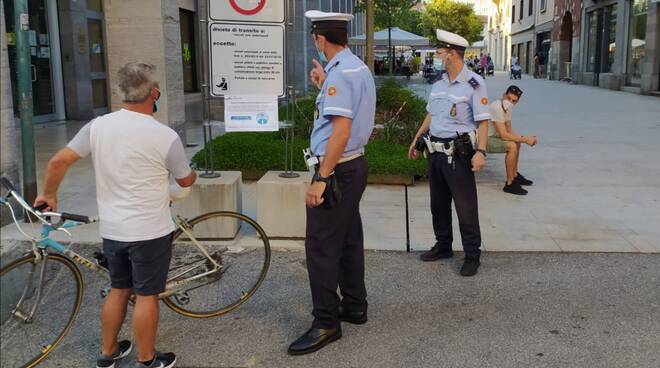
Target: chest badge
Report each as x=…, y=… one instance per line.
x=453, y=111
x=332, y=90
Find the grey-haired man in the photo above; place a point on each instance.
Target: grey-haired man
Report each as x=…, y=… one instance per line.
x=134, y=156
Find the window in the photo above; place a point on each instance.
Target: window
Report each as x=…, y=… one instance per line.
x=97, y=63
x=543, y=5
x=95, y=34
x=188, y=59
x=513, y=14
x=531, y=7
x=94, y=5
x=522, y=6
x=99, y=94
x=528, y=56
x=637, y=40
x=611, y=37
x=592, y=40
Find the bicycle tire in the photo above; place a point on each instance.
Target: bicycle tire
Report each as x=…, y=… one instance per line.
x=171, y=303
x=71, y=319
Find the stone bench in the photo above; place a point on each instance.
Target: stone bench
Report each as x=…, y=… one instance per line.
x=213, y=194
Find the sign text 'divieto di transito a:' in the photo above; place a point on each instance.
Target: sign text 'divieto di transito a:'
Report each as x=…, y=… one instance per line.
x=247, y=58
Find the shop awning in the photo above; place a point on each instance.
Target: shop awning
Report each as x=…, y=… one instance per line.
x=399, y=38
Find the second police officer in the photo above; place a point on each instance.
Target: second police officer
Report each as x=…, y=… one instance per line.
x=454, y=134
x=344, y=120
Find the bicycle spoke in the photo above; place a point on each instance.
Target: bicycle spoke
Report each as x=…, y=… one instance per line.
x=242, y=260
x=22, y=341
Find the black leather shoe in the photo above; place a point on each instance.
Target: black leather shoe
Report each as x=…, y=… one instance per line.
x=522, y=180
x=470, y=266
x=436, y=253
x=314, y=339
x=354, y=317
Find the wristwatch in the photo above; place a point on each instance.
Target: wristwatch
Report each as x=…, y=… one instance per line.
x=318, y=177
x=483, y=152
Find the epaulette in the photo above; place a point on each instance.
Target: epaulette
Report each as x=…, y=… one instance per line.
x=473, y=83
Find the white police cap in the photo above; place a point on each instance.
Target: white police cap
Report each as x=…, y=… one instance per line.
x=450, y=40
x=323, y=20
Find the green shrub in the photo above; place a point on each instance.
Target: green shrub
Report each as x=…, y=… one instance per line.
x=261, y=152
x=400, y=111
x=250, y=151
x=303, y=111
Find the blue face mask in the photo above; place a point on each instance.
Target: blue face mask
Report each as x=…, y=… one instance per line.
x=322, y=57
x=438, y=64
x=157, y=104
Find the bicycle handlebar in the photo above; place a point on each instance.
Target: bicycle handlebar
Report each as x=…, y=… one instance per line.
x=78, y=218
x=38, y=210
x=7, y=184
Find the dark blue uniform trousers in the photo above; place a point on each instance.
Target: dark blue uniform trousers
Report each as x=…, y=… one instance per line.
x=455, y=182
x=334, y=248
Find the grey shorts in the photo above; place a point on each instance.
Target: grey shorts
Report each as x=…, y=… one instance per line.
x=141, y=266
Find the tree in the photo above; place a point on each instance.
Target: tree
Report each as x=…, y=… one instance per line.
x=454, y=17
x=394, y=13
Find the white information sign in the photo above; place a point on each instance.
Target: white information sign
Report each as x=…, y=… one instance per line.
x=268, y=11
x=251, y=113
x=246, y=59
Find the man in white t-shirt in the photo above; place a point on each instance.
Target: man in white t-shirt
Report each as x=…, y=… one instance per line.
x=133, y=155
x=501, y=133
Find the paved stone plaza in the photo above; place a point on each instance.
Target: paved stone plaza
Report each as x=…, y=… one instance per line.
x=597, y=189
x=597, y=182
x=541, y=310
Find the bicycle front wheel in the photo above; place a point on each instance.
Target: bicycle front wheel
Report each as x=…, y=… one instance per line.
x=38, y=305
x=238, y=259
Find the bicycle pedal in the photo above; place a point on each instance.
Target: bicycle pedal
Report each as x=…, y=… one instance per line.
x=20, y=315
x=101, y=260
x=182, y=298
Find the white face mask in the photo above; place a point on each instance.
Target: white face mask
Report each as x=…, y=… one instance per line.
x=507, y=105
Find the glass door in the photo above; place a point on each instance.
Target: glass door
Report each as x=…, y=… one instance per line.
x=637, y=41
x=44, y=59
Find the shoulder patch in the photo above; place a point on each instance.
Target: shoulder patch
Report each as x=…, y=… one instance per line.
x=332, y=90
x=474, y=83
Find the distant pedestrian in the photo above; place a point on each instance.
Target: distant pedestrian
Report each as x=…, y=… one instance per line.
x=483, y=65
x=536, y=65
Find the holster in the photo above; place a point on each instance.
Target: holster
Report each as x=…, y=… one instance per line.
x=463, y=145
x=420, y=144
x=332, y=194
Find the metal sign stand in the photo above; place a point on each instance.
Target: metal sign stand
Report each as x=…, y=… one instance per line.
x=290, y=95
x=209, y=170
x=289, y=125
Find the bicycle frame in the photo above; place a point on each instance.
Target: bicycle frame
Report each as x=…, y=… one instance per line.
x=41, y=247
x=40, y=250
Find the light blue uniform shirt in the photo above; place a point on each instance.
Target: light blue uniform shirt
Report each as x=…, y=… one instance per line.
x=349, y=91
x=466, y=96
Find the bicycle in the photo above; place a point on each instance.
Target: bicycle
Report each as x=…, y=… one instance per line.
x=46, y=283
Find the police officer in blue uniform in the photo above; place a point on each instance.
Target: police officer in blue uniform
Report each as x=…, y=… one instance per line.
x=344, y=120
x=454, y=134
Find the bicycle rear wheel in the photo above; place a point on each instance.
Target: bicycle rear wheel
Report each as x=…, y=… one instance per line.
x=32, y=324
x=243, y=262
